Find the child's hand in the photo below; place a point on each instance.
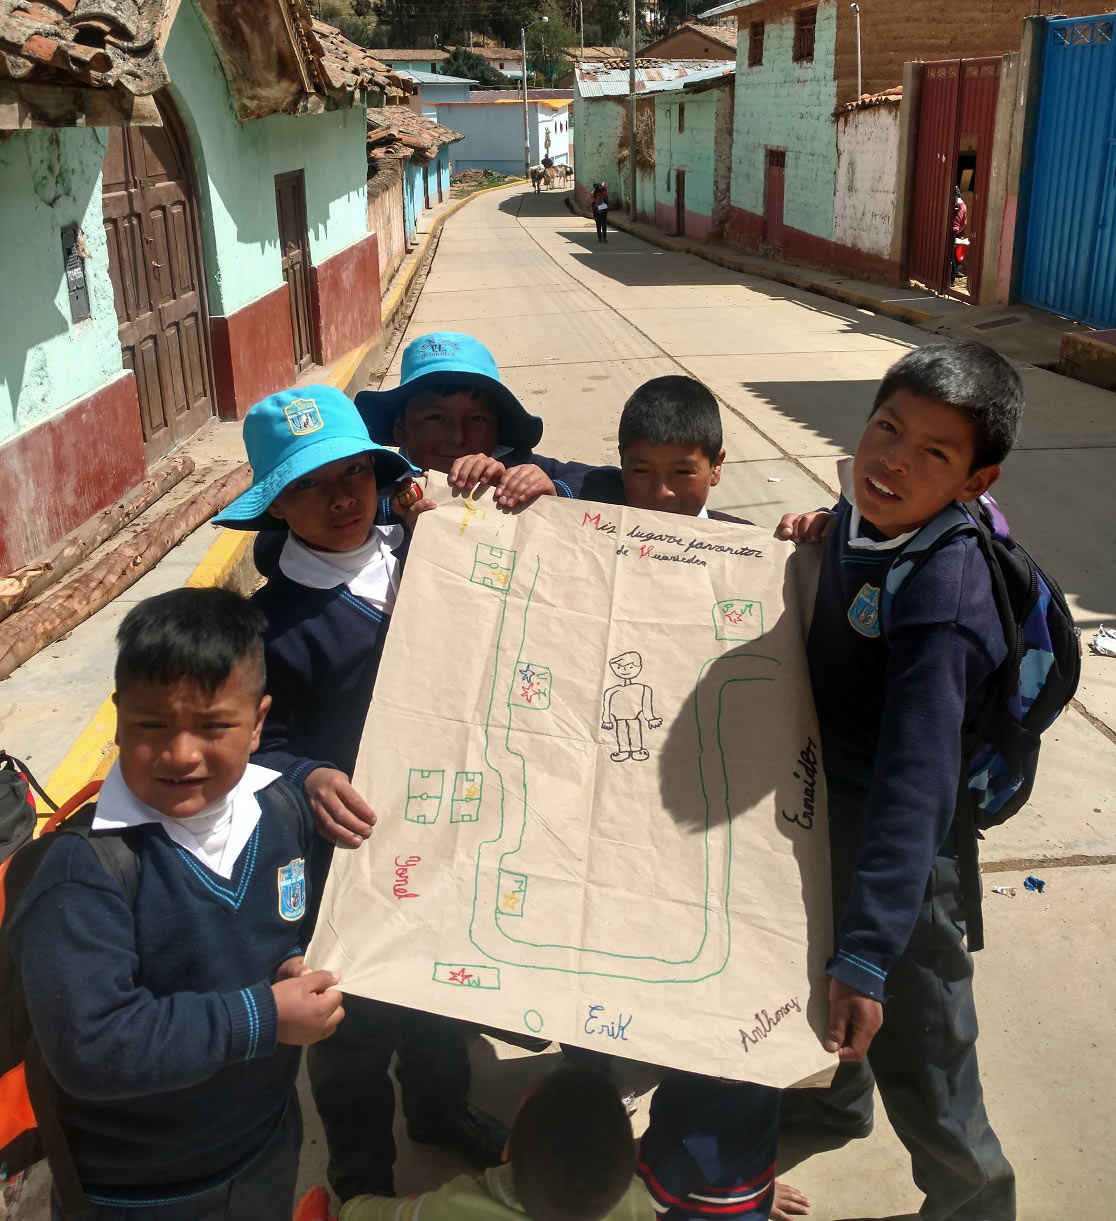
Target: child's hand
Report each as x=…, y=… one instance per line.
x=853, y=1021
x=805, y=527
x=410, y=514
x=523, y=483
x=291, y=968
x=471, y=469
x=309, y=1007
x=788, y=1202
x=341, y=814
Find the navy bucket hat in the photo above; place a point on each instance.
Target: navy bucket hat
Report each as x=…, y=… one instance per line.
x=448, y=358
x=291, y=433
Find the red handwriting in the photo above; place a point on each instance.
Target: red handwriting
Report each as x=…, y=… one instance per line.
x=403, y=866
x=645, y=550
x=594, y=521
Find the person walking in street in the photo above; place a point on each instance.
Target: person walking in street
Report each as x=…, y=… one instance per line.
x=598, y=202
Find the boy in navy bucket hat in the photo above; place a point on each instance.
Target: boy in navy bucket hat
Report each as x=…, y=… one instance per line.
x=328, y=605
x=452, y=413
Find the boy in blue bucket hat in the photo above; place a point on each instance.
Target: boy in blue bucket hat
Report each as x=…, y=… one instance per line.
x=452, y=413
x=328, y=604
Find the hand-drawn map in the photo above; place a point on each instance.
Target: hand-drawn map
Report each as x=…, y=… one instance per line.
x=594, y=757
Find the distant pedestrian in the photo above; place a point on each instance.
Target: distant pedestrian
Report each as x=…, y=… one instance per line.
x=957, y=228
x=598, y=203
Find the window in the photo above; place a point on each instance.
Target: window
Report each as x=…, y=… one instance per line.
x=681, y=117
x=755, y=44
x=804, y=21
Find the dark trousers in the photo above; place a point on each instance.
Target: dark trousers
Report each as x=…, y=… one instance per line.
x=924, y=1057
x=602, y=225
x=355, y=1097
x=709, y=1149
x=264, y=1189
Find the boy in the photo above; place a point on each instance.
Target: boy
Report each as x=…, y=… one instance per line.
x=328, y=605
x=709, y=1150
x=169, y=1018
x=452, y=413
x=570, y=1158
x=893, y=713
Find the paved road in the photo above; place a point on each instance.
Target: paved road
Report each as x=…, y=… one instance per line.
x=575, y=327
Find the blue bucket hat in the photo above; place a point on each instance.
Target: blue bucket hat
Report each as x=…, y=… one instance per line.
x=294, y=432
x=449, y=358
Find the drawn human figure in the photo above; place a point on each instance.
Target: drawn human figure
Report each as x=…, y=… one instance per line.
x=626, y=706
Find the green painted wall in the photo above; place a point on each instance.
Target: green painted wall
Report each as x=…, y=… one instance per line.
x=599, y=123
x=690, y=150
x=50, y=179
x=781, y=104
x=237, y=163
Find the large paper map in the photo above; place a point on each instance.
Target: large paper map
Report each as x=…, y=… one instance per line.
x=595, y=761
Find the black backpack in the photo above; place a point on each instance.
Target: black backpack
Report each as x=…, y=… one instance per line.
x=1037, y=679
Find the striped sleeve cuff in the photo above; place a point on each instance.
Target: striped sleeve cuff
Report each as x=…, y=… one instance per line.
x=860, y=974
x=255, y=1022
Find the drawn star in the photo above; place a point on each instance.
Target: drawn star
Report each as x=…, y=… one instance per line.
x=527, y=693
x=460, y=976
x=501, y=578
x=734, y=617
x=527, y=674
x=511, y=902
x=471, y=793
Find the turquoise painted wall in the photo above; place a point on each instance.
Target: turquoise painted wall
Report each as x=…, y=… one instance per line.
x=598, y=122
x=237, y=163
x=781, y=104
x=690, y=150
x=50, y=179
x=413, y=197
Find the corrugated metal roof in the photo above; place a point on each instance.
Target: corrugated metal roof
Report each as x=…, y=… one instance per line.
x=435, y=78
x=726, y=8
x=610, y=79
x=722, y=70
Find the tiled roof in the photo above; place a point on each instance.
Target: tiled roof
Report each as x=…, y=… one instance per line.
x=391, y=55
x=494, y=53
x=723, y=36
x=398, y=132
x=96, y=43
x=516, y=95
x=885, y=97
x=348, y=68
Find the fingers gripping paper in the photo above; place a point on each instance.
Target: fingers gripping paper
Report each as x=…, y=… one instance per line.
x=595, y=761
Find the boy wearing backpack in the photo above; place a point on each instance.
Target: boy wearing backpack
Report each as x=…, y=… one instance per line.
x=160, y=950
x=898, y=694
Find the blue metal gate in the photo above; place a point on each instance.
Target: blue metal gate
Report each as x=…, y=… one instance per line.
x=1070, y=261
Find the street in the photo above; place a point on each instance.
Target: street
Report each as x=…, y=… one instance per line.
x=575, y=326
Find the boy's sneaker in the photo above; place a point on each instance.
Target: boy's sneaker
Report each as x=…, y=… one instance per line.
x=474, y=1136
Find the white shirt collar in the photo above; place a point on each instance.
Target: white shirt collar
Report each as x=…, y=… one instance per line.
x=704, y=511
x=371, y=571
x=216, y=836
x=856, y=539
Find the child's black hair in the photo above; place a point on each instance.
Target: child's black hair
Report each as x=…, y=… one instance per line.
x=672, y=411
x=972, y=378
x=195, y=634
x=571, y=1149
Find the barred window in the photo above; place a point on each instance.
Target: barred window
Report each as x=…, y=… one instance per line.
x=755, y=44
x=804, y=22
x=681, y=117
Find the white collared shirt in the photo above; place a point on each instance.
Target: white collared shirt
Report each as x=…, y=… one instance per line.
x=216, y=836
x=370, y=571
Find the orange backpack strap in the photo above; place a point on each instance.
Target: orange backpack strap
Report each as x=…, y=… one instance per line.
x=74, y=803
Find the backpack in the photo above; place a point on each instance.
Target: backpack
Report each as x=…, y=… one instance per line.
x=29, y=1125
x=1036, y=680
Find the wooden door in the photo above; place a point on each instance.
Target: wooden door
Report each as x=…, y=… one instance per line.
x=680, y=202
x=426, y=187
x=155, y=264
x=294, y=250
x=773, y=206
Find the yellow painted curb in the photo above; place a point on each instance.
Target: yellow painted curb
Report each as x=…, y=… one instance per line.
x=93, y=752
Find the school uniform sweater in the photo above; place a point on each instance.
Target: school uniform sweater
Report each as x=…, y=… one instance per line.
x=157, y=1021
x=892, y=710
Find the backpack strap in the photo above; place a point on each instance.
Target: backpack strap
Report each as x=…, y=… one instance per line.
x=289, y=809
x=25, y=771
x=950, y=522
x=59, y=1155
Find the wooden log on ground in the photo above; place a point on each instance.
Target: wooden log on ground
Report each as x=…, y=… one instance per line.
x=28, y=631
x=24, y=583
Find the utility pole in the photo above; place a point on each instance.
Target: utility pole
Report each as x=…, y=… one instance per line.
x=859, y=82
x=632, y=109
x=526, y=133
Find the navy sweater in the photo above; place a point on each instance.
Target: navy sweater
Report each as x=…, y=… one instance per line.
x=158, y=1022
x=892, y=708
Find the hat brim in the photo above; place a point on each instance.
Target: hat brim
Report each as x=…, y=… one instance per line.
x=249, y=510
x=517, y=427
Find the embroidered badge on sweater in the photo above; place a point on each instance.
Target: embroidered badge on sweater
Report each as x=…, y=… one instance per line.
x=864, y=614
x=292, y=889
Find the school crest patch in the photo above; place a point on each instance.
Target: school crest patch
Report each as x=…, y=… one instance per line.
x=303, y=417
x=292, y=889
x=864, y=614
